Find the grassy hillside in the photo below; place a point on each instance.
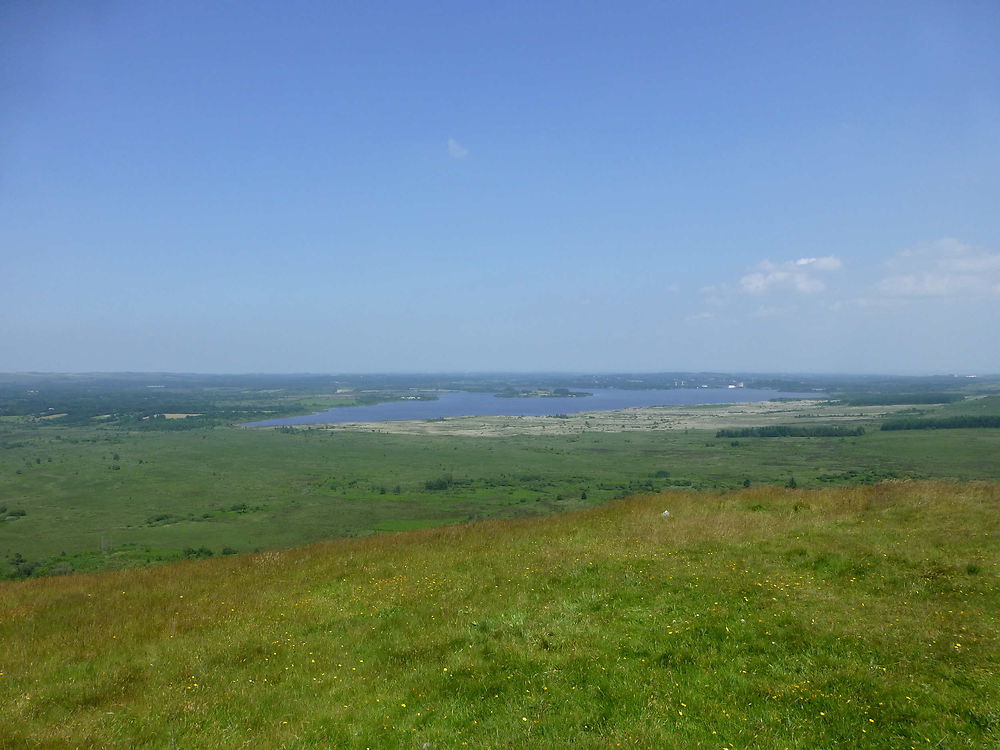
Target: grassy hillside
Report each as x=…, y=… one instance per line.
x=861, y=617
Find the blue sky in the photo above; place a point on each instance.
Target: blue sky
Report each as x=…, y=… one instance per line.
x=344, y=187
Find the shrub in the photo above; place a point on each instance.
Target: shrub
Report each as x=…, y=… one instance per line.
x=440, y=483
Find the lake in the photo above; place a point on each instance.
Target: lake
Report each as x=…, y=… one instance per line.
x=463, y=403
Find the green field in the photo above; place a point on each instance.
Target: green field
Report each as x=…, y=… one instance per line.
x=861, y=617
x=104, y=496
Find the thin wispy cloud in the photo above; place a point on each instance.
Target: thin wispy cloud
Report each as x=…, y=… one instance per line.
x=716, y=294
x=456, y=150
x=769, y=311
x=774, y=284
x=797, y=275
x=945, y=268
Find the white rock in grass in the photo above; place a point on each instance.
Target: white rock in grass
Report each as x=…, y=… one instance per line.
x=665, y=514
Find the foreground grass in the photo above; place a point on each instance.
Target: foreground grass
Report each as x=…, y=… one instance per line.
x=860, y=617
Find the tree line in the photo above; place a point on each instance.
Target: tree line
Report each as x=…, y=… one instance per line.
x=783, y=430
x=942, y=423
x=894, y=399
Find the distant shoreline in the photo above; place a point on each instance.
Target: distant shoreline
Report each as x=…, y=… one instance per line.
x=472, y=404
x=710, y=417
x=542, y=393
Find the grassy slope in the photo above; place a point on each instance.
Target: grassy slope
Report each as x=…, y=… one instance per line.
x=859, y=617
x=307, y=486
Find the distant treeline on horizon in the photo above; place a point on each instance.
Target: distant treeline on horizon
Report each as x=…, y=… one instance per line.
x=941, y=423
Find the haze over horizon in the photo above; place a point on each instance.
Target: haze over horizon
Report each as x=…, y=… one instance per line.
x=509, y=373
x=454, y=187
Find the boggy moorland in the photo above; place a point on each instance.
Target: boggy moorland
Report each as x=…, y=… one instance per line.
x=819, y=581
x=104, y=472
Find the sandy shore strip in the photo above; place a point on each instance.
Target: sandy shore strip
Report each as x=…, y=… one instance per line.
x=702, y=417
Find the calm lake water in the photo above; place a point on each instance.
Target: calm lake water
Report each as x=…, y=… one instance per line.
x=461, y=403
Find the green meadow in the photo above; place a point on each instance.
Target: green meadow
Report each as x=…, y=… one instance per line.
x=855, y=617
x=99, y=497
